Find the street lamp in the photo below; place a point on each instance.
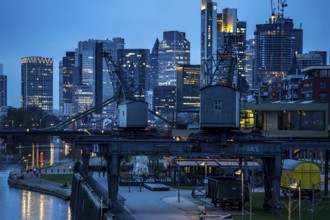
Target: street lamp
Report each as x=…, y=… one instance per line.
x=241, y=173
x=178, y=179
x=296, y=185
x=205, y=180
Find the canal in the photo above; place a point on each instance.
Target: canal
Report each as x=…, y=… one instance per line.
x=23, y=204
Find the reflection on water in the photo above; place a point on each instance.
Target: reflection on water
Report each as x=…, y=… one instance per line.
x=39, y=155
x=27, y=205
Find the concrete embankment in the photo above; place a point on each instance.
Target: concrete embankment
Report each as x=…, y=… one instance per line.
x=30, y=181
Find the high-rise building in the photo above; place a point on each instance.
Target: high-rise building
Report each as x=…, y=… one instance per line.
x=208, y=40
x=66, y=83
x=153, y=70
x=82, y=97
x=188, y=94
x=250, y=60
x=276, y=43
x=3, y=87
x=91, y=71
x=134, y=63
x=174, y=50
x=164, y=101
x=37, y=83
x=188, y=87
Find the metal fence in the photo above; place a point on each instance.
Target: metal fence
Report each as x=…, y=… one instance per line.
x=118, y=208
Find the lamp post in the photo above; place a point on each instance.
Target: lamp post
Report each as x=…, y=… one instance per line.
x=250, y=192
x=297, y=186
x=205, y=182
x=240, y=172
x=178, y=179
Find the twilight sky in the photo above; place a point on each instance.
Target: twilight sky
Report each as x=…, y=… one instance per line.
x=49, y=28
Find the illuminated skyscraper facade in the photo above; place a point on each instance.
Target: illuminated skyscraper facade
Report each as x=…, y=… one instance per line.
x=174, y=50
x=91, y=71
x=164, y=101
x=37, y=83
x=187, y=94
x=188, y=87
x=66, y=83
x=250, y=61
x=208, y=40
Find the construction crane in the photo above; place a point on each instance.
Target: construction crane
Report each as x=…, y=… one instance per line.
x=272, y=8
x=281, y=4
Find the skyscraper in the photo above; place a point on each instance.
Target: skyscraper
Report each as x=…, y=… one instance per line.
x=3, y=87
x=153, y=70
x=91, y=71
x=208, y=40
x=188, y=93
x=276, y=43
x=66, y=83
x=250, y=60
x=174, y=50
x=37, y=83
x=188, y=87
x=164, y=101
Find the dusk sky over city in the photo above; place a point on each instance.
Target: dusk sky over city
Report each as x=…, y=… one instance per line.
x=49, y=28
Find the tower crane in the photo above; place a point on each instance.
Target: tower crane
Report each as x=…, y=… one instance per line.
x=283, y=5
x=272, y=8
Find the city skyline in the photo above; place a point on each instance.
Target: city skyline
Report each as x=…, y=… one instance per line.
x=51, y=28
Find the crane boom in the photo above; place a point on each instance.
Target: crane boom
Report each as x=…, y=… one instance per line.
x=122, y=92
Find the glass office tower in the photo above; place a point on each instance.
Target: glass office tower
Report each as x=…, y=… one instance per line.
x=37, y=83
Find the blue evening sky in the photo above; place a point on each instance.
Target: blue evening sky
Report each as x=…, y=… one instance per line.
x=49, y=28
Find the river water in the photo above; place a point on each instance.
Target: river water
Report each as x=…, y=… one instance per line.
x=23, y=204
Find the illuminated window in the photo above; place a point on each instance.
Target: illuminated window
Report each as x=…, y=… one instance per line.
x=247, y=120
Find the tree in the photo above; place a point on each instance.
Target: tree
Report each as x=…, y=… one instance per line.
x=27, y=118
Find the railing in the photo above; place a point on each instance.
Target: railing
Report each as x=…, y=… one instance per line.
x=118, y=209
